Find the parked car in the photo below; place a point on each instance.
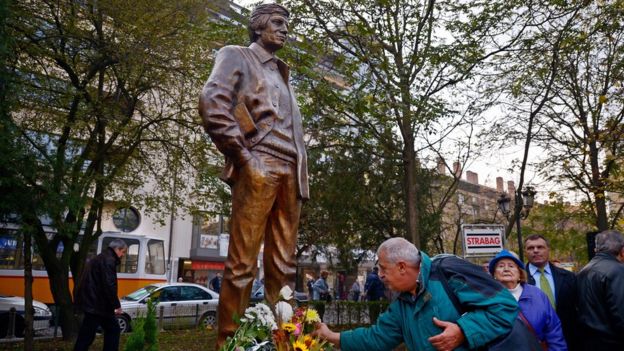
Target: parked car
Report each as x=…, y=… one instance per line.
x=258, y=296
x=42, y=315
x=183, y=305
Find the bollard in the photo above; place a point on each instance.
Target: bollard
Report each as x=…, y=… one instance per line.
x=11, y=330
x=161, y=317
x=56, y=320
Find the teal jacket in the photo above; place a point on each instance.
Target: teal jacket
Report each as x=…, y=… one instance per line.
x=409, y=319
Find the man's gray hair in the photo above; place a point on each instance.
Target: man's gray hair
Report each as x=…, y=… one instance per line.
x=118, y=244
x=609, y=241
x=261, y=15
x=399, y=249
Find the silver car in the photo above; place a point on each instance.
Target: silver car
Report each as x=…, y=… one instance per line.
x=42, y=315
x=178, y=305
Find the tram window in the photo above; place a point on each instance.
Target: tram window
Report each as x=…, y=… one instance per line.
x=12, y=251
x=10, y=256
x=130, y=261
x=155, y=257
x=92, y=252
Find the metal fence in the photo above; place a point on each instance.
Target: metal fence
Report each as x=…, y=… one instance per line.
x=12, y=325
x=337, y=313
x=186, y=316
x=349, y=313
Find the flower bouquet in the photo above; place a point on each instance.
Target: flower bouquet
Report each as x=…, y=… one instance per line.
x=277, y=328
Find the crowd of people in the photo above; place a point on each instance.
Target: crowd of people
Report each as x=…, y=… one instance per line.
x=452, y=304
x=442, y=301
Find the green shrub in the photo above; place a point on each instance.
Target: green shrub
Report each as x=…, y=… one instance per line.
x=136, y=341
x=144, y=331
x=150, y=327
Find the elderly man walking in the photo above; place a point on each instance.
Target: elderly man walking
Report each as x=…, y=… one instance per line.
x=424, y=316
x=250, y=112
x=601, y=295
x=97, y=298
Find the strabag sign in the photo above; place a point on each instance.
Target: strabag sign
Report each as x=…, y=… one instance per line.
x=483, y=239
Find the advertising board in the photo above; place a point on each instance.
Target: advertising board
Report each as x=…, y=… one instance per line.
x=483, y=239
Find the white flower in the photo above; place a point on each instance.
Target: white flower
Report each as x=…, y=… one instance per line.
x=261, y=314
x=286, y=293
x=284, y=311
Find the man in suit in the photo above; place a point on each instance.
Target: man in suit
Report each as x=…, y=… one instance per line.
x=250, y=112
x=557, y=283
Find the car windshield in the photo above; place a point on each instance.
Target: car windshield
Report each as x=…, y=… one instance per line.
x=139, y=294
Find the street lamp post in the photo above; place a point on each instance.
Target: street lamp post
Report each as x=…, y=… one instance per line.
x=524, y=203
x=503, y=204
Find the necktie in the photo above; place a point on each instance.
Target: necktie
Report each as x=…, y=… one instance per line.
x=545, y=286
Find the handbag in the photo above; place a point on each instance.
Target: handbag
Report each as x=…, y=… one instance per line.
x=520, y=338
x=542, y=343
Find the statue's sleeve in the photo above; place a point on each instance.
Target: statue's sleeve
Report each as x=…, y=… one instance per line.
x=216, y=104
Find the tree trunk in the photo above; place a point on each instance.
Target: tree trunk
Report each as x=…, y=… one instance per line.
x=28, y=305
x=602, y=221
x=411, y=192
x=58, y=275
x=601, y=211
x=59, y=285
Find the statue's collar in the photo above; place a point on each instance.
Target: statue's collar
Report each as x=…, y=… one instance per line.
x=261, y=52
x=264, y=57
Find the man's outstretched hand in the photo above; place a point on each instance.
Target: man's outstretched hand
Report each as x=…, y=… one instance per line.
x=324, y=333
x=450, y=338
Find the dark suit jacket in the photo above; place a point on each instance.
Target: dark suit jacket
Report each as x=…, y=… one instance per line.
x=239, y=108
x=565, y=295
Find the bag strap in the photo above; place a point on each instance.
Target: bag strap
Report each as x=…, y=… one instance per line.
x=542, y=343
x=436, y=264
x=526, y=322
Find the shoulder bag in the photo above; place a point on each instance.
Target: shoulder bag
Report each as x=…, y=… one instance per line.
x=520, y=338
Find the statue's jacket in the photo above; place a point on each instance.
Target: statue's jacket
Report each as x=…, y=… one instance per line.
x=239, y=108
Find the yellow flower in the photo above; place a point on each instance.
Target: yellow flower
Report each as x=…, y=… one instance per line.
x=309, y=341
x=312, y=316
x=299, y=346
x=289, y=327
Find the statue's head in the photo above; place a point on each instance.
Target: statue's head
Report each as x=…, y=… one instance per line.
x=272, y=20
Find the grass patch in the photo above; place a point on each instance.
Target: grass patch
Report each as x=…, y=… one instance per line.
x=174, y=340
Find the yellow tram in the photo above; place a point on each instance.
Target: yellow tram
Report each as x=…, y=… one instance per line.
x=143, y=264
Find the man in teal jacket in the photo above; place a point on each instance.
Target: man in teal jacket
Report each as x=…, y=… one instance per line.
x=423, y=316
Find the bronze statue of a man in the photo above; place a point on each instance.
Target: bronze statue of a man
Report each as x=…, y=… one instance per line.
x=250, y=112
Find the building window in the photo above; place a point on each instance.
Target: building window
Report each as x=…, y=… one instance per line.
x=126, y=219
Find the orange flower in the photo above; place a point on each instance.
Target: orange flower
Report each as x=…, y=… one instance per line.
x=280, y=336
